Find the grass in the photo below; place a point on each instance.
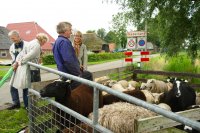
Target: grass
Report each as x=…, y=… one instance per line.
x=100, y=62
x=13, y=120
x=3, y=70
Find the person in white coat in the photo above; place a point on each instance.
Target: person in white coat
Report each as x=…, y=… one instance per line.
x=15, y=49
x=31, y=52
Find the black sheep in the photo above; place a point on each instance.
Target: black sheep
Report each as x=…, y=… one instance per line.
x=180, y=97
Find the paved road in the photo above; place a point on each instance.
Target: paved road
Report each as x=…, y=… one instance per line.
x=4, y=90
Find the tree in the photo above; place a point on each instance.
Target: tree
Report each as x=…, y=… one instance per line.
x=101, y=33
x=119, y=27
x=177, y=21
x=90, y=31
x=111, y=37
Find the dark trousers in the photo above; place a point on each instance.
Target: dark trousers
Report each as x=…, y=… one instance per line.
x=86, y=75
x=15, y=96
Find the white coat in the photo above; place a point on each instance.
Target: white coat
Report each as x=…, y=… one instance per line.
x=21, y=79
x=12, y=50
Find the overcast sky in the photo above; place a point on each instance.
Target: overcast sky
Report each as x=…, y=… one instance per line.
x=83, y=14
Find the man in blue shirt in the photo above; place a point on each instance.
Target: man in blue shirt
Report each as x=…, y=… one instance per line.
x=64, y=53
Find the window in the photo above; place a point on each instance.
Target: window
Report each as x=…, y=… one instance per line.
x=3, y=54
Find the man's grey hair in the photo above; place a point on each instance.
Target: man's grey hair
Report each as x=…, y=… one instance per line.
x=13, y=32
x=62, y=27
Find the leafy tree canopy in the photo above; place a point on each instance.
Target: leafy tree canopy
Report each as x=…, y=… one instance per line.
x=171, y=23
x=101, y=33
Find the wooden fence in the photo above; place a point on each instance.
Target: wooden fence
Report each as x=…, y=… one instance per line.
x=136, y=72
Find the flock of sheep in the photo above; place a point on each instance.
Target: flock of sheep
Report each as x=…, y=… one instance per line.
x=119, y=116
x=115, y=113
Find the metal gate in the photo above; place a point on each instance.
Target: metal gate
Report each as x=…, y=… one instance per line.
x=48, y=116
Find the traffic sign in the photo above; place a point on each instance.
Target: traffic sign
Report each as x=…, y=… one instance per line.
x=136, y=33
x=131, y=43
x=141, y=43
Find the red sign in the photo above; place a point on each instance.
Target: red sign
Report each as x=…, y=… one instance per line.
x=129, y=53
x=136, y=59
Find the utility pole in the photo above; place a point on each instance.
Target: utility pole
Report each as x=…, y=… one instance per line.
x=146, y=24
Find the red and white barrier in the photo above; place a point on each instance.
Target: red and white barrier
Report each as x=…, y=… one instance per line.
x=136, y=59
x=130, y=53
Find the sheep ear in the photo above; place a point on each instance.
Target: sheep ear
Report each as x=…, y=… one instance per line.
x=151, y=81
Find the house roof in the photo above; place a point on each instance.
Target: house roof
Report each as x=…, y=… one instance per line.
x=5, y=42
x=29, y=30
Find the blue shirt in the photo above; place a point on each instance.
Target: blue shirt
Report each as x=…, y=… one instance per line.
x=65, y=57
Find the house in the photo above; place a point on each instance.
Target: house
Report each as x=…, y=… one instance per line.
x=28, y=32
x=5, y=43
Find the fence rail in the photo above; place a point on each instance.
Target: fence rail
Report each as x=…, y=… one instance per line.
x=171, y=115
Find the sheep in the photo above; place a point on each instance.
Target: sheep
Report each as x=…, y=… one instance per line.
x=109, y=99
x=197, y=98
x=133, y=83
x=79, y=99
x=157, y=97
x=118, y=87
x=101, y=79
x=180, y=97
x=130, y=88
x=110, y=83
x=157, y=86
x=164, y=106
x=119, y=117
x=149, y=96
x=143, y=86
x=124, y=83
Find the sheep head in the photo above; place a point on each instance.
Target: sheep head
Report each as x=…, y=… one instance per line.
x=57, y=89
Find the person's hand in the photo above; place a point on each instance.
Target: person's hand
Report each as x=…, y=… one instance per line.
x=81, y=68
x=15, y=65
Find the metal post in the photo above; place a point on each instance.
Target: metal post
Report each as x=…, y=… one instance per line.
x=30, y=113
x=95, y=108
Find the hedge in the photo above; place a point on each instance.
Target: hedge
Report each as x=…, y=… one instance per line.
x=49, y=59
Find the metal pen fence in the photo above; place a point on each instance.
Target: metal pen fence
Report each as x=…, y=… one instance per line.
x=46, y=115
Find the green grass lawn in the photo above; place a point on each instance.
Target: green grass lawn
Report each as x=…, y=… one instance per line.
x=12, y=121
x=3, y=70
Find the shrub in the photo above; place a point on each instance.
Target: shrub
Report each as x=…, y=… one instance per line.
x=104, y=56
x=48, y=59
x=180, y=64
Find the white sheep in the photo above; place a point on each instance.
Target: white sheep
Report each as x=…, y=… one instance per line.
x=101, y=79
x=110, y=83
x=124, y=83
x=119, y=117
x=143, y=86
x=164, y=106
x=133, y=83
x=118, y=87
x=157, y=86
x=157, y=97
x=149, y=96
x=198, y=98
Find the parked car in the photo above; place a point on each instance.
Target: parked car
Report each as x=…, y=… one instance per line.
x=120, y=50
